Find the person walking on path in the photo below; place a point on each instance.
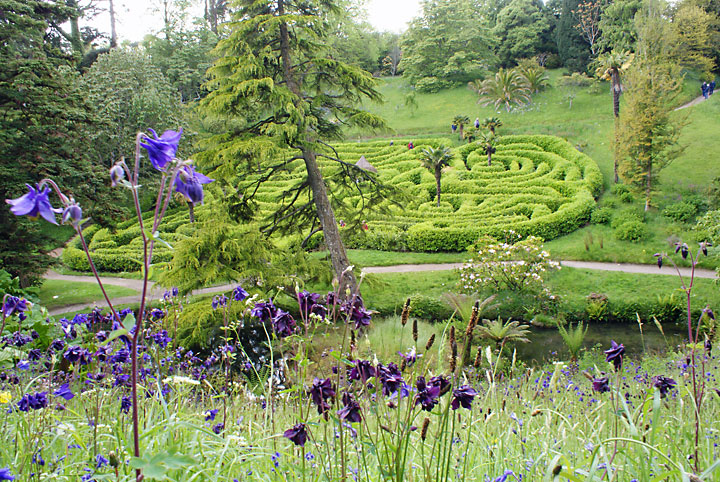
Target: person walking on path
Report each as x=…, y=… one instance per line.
x=711, y=87
x=704, y=88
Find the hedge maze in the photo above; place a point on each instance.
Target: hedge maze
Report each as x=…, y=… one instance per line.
x=536, y=185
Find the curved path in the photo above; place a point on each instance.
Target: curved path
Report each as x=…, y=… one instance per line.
x=156, y=291
x=693, y=102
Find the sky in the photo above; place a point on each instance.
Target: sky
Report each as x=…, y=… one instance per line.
x=136, y=18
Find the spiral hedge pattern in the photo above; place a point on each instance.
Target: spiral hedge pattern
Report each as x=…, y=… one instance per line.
x=537, y=185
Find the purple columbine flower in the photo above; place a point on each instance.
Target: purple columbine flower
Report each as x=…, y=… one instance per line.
x=210, y=415
x=239, y=293
x=264, y=311
x=297, y=434
x=390, y=377
x=410, y=357
x=357, y=312
x=162, y=150
x=34, y=204
x=664, y=384
x=504, y=476
x=218, y=428
x=601, y=384
x=350, y=410
x=34, y=401
x=322, y=391
x=72, y=214
x=189, y=183
x=13, y=304
x=615, y=354
x=441, y=382
x=427, y=395
x=125, y=404
x=100, y=461
x=463, y=397
x=219, y=301
x=283, y=324
x=64, y=392
x=57, y=345
x=362, y=370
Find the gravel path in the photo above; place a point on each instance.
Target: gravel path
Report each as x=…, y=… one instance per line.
x=693, y=102
x=622, y=267
x=156, y=292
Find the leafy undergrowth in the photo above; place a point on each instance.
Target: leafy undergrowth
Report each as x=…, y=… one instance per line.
x=407, y=416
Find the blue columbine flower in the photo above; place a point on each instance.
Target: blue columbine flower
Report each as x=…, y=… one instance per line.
x=33, y=401
x=125, y=404
x=72, y=214
x=64, y=392
x=34, y=204
x=218, y=301
x=189, y=183
x=13, y=304
x=162, y=150
x=117, y=174
x=218, y=428
x=100, y=461
x=239, y=293
x=210, y=415
x=5, y=474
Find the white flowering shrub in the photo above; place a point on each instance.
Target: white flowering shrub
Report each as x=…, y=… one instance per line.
x=504, y=266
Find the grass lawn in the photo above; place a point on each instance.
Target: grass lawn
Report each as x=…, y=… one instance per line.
x=54, y=293
x=370, y=257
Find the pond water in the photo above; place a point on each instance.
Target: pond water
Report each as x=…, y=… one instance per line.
x=547, y=344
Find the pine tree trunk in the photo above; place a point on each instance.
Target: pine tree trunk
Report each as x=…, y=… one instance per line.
x=334, y=244
x=648, y=186
x=616, y=150
x=438, y=175
x=460, y=131
x=489, y=153
x=617, y=90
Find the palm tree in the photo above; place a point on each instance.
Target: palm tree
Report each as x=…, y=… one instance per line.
x=434, y=160
x=488, y=140
x=536, y=78
x=507, y=87
x=491, y=123
x=503, y=333
x=461, y=121
x=610, y=67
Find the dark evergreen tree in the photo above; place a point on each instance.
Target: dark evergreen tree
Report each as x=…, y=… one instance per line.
x=572, y=48
x=42, y=122
x=280, y=99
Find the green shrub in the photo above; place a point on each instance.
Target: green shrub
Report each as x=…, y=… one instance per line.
x=601, y=215
x=683, y=211
x=627, y=214
x=707, y=227
x=631, y=231
x=626, y=197
x=427, y=308
x=618, y=189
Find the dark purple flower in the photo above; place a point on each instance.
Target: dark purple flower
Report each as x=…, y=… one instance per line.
x=363, y=370
x=356, y=312
x=504, y=476
x=659, y=257
x=35, y=354
x=410, y=357
x=283, y=324
x=390, y=377
x=350, y=410
x=463, y=397
x=33, y=401
x=441, y=382
x=34, y=204
x=64, y=392
x=13, y=304
x=189, y=183
x=125, y=404
x=157, y=314
x=664, y=384
x=615, y=354
x=427, y=395
x=601, y=384
x=218, y=428
x=72, y=214
x=297, y=434
x=322, y=391
x=239, y=293
x=210, y=415
x=264, y=311
x=162, y=150
x=57, y=345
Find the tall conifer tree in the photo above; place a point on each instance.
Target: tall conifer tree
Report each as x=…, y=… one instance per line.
x=282, y=99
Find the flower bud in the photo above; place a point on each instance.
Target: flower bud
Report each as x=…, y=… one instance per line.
x=117, y=174
x=72, y=214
